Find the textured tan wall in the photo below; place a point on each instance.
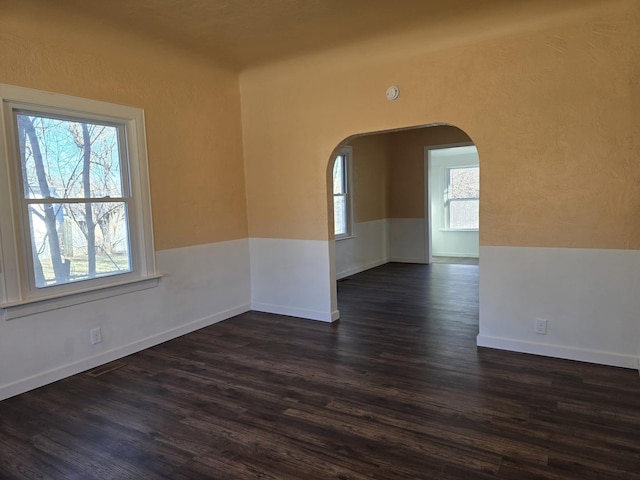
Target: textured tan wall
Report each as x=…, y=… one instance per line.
x=548, y=95
x=192, y=112
x=370, y=177
x=406, y=166
x=388, y=171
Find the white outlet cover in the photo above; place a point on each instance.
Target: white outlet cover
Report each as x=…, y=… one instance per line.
x=95, y=335
x=540, y=326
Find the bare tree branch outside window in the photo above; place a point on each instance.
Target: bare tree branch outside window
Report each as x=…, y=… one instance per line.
x=72, y=182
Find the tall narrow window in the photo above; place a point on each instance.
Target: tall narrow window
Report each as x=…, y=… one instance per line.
x=463, y=198
x=342, y=194
x=74, y=200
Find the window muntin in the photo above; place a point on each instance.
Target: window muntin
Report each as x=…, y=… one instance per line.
x=463, y=198
x=341, y=195
x=112, y=193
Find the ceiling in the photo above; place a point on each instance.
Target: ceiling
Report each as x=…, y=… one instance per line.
x=241, y=33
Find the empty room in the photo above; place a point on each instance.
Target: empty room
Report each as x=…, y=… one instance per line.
x=231, y=246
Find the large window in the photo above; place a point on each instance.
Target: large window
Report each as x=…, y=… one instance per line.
x=342, y=194
x=75, y=213
x=463, y=198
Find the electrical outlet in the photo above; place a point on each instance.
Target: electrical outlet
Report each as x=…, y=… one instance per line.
x=96, y=335
x=540, y=326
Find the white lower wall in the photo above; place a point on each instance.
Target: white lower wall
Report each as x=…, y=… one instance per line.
x=367, y=248
x=407, y=240
x=293, y=277
x=201, y=285
x=590, y=298
x=451, y=243
x=378, y=242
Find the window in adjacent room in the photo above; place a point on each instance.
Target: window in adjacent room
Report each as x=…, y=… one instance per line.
x=463, y=198
x=342, y=194
x=75, y=212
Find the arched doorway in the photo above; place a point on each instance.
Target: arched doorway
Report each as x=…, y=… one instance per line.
x=381, y=198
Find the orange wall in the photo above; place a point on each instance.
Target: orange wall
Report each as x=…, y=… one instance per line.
x=406, y=177
x=549, y=96
x=370, y=177
x=192, y=111
x=548, y=91
x=388, y=171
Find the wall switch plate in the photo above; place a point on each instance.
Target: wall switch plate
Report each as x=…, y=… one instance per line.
x=96, y=335
x=540, y=326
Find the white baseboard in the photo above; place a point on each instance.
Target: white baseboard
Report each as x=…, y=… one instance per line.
x=296, y=312
x=53, y=375
x=360, y=268
x=559, y=351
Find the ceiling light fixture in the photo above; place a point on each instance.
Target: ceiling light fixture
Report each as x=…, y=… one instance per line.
x=393, y=92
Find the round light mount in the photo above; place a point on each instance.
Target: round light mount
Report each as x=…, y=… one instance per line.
x=393, y=92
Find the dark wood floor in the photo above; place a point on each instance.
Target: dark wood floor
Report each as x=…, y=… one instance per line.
x=396, y=390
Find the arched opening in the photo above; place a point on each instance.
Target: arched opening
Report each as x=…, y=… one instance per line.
x=408, y=197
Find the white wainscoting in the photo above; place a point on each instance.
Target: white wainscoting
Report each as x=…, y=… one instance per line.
x=452, y=243
x=367, y=248
x=590, y=298
x=201, y=286
x=407, y=242
x=292, y=277
x=377, y=242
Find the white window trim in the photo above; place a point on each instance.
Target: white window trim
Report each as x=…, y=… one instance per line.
x=16, y=298
x=447, y=213
x=347, y=152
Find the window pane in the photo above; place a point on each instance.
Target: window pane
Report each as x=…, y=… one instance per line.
x=464, y=182
x=340, y=215
x=338, y=175
x=464, y=214
x=66, y=248
x=68, y=159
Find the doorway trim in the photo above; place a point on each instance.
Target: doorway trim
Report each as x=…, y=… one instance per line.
x=427, y=193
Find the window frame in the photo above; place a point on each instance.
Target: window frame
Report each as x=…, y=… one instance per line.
x=449, y=200
x=346, y=153
x=18, y=295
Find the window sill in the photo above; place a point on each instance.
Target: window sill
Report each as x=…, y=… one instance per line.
x=23, y=308
x=344, y=237
x=459, y=230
